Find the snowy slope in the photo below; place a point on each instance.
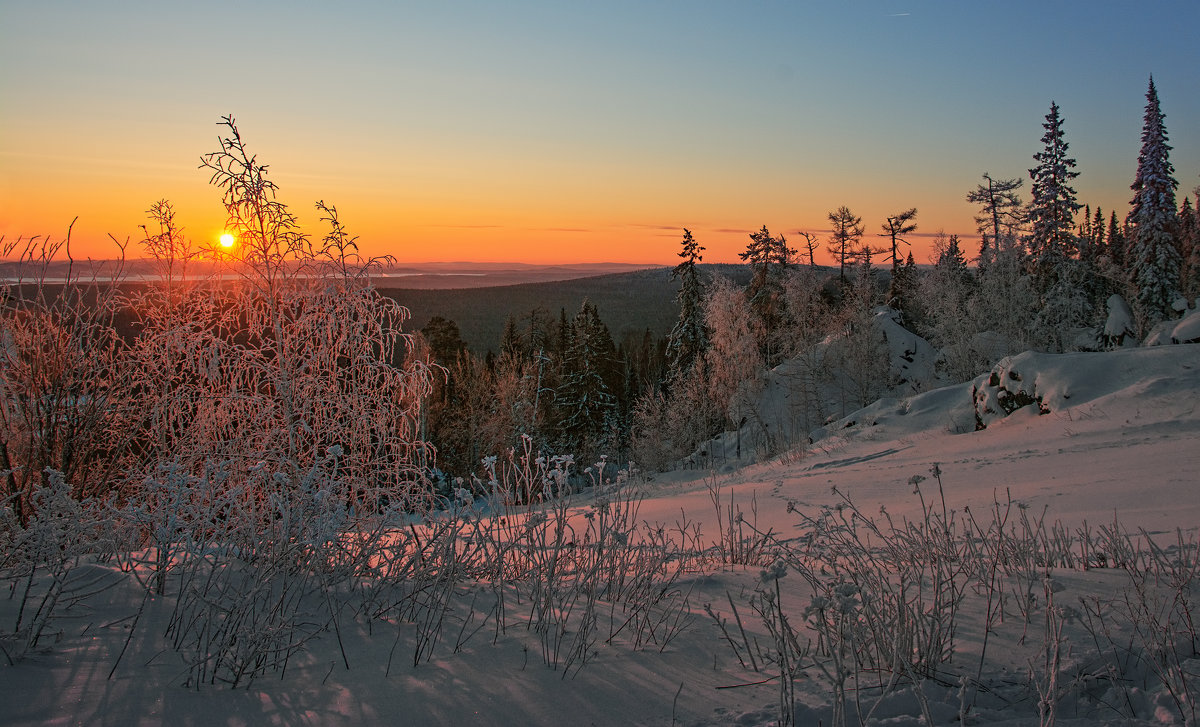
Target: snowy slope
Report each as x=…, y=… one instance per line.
x=1121, y=437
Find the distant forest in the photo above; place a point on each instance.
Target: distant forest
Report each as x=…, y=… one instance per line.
x=629, y=304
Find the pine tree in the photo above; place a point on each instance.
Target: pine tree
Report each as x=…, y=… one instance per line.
x=1053, y=207
x=894, y=228
x=689, y=337
x=847, y=230
x=1154, y=261
x=1001, y=212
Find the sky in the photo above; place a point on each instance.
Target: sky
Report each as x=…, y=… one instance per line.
x=559, y=132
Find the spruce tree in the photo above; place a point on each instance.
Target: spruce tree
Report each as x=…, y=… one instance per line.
x=1189, y=249
x=1097, y=243
x=584, y=398
x=1062, y=282
x=951, y=260
x=1053, y=207
x=689, y=337
x=1116, y=242
x=1154, y=262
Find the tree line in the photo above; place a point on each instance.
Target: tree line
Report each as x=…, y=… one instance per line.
x=290, y=368
x=1050, y=273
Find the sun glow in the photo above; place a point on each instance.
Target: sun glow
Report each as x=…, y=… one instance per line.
x=226, y=240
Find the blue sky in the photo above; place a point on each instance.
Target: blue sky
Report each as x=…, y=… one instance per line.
x=578, y=131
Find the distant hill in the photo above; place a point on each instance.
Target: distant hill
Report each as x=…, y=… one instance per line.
x=460, y=275
x=408, y=275
x=477, y=296
x=628, y=302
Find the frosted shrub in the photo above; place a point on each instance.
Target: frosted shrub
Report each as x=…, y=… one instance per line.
x=39, y=558
x=63, y=399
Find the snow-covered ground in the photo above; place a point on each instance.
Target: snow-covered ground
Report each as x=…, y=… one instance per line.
x=1120, y=438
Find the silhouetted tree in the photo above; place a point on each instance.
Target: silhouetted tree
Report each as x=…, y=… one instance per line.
x=847, y=231
x=1001, y=211
x=895, y=227
x=689, y=338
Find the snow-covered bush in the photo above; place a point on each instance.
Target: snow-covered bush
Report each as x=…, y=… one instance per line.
x=294, y=355
x=63, y=384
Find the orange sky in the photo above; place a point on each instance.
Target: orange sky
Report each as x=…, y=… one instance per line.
x=546, y=132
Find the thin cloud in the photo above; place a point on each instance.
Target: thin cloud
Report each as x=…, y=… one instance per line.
x=644, y=226
x=466, y=227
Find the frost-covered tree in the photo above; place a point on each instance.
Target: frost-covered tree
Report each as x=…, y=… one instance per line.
x=859, y=346
x=1053, y=205
x=1006, y=304
x=689, y=338
x=768, y=257
x=1154, y=262
x=950, y=324
x=1067, y=307
x=64, y=410
x=843, y=243
x=1062, y=285
x=733, y=358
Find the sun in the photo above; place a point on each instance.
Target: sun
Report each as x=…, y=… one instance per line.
x=226, y=240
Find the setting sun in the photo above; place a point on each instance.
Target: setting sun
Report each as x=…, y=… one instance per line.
x=226, y=240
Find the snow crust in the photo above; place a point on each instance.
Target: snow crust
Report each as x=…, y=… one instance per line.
x=1119, y=436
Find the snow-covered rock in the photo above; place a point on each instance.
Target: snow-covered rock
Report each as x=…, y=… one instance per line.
x=1058, y=382
x=1188, y=329
x=816, y=387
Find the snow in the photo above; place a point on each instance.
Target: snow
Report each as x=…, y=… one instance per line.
x=803, y=392
x=1119, y=325
x=1188, y=329
x=1120, y=436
